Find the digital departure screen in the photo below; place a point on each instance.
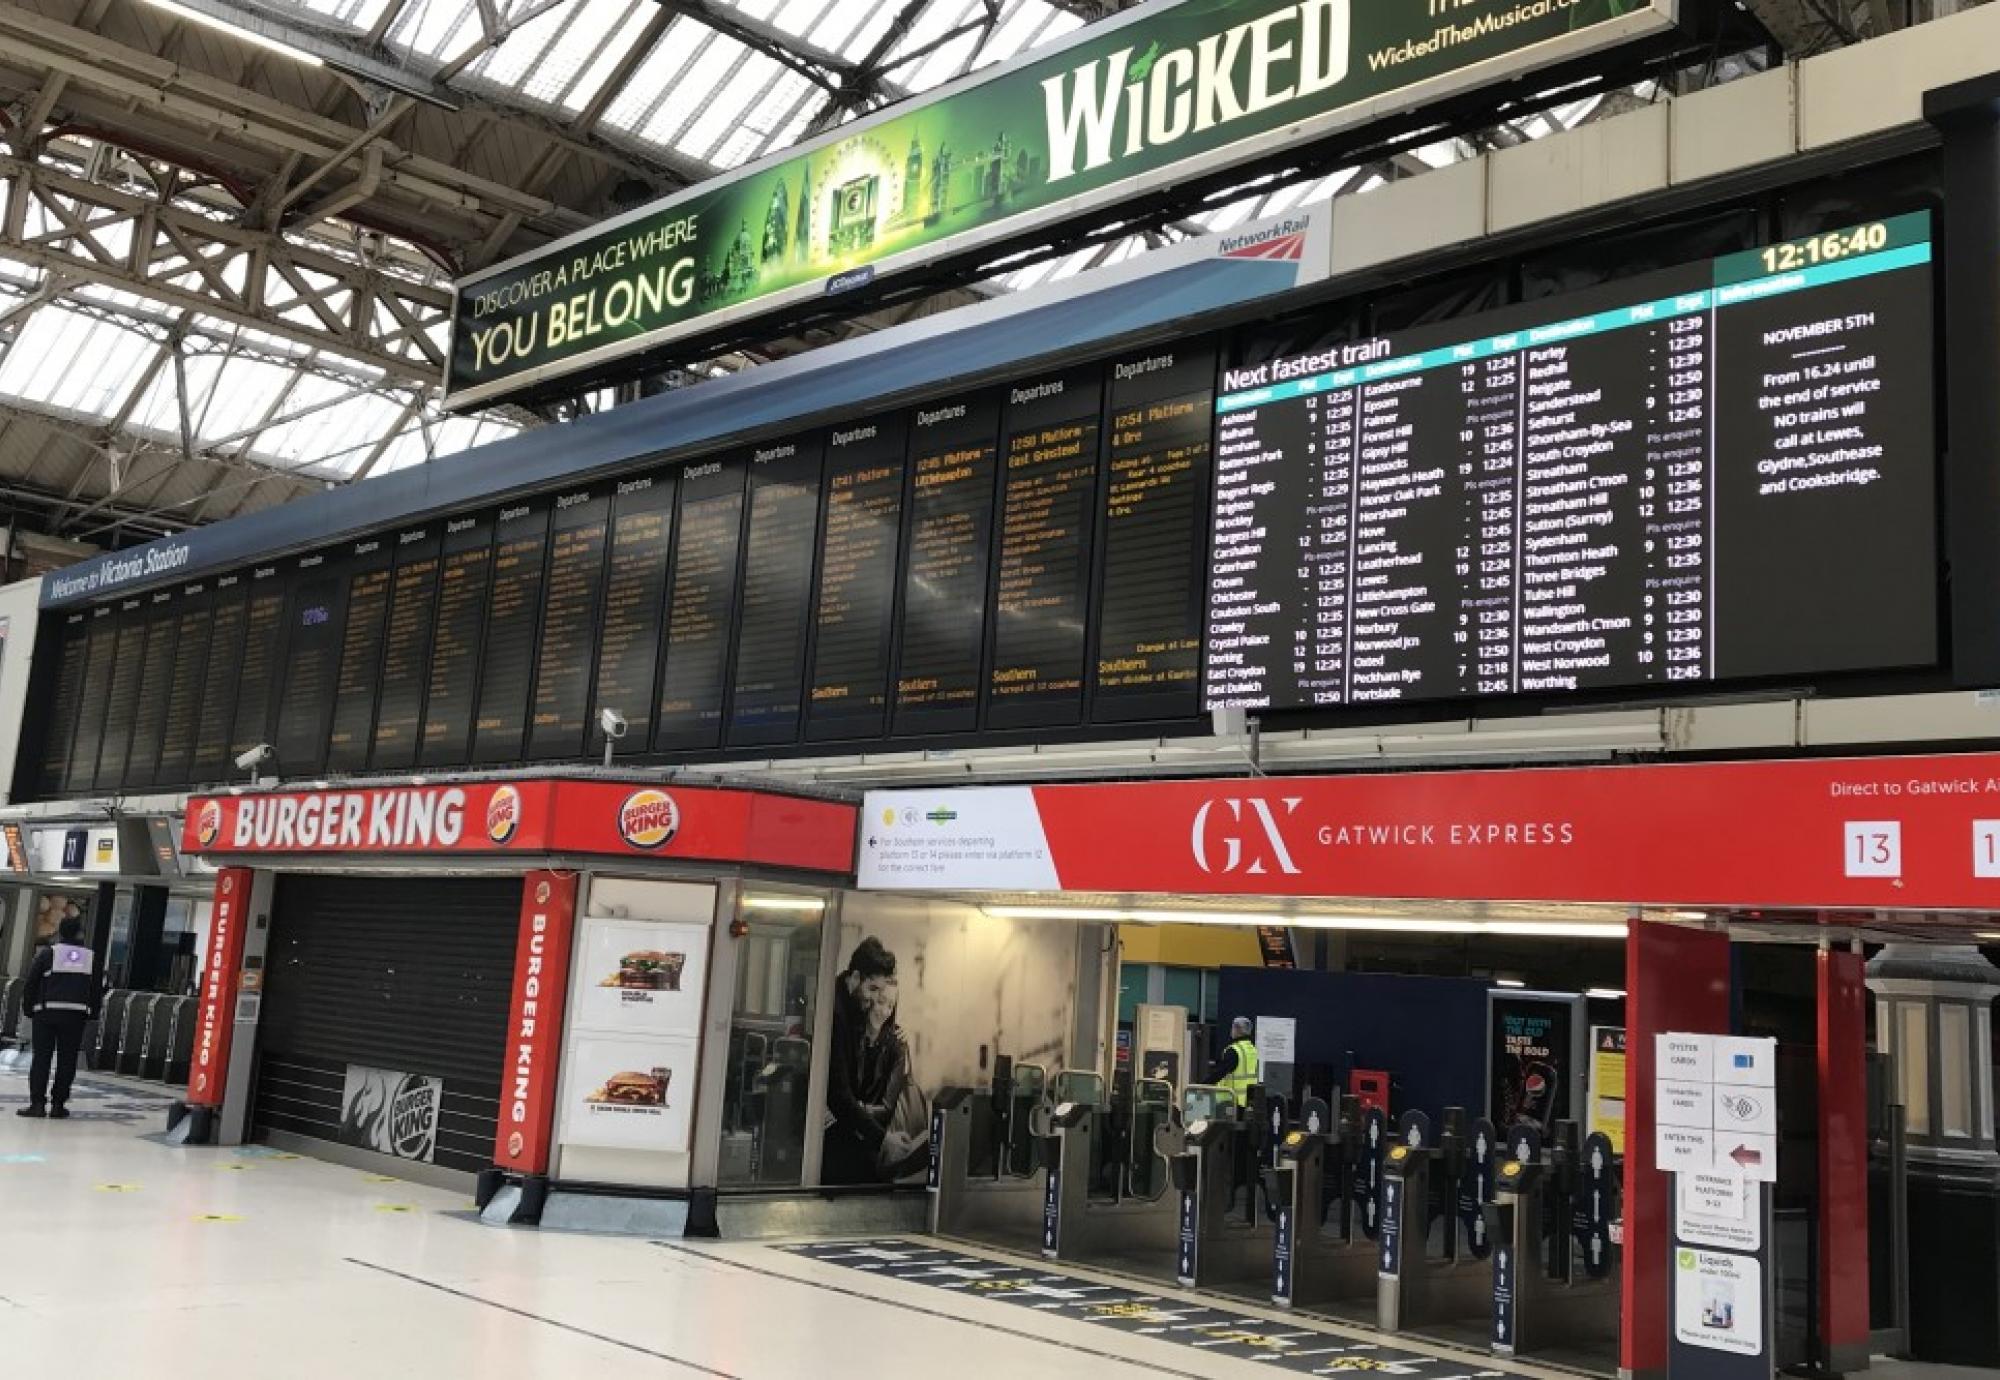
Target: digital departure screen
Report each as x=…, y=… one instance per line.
x=259, y=668
x=406, y=649
x=1048, y=494
x=1717, y=472
x=777, y=589
x=1155, y=507
x=121, y=706
x=954, y=449
x=569, y=623
x=101, y=656
x=353, y=727
x=218, y=691
x=64, y=696
x=520, y=559
x=312, y=668
x=635, y=591
x=464, y=581
x=196, y=621
x=701, y=604
x=143, y=757
x=853, y=627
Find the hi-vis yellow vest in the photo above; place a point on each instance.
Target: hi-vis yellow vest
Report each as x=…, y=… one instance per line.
x=1245, y=1075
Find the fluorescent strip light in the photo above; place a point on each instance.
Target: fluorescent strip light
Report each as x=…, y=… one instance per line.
x=1990, y=936
x=220, y=25
x=1606, y=993
x=782, y=903
x=1370, y=924
x=1508, y=982
x=1688, y=914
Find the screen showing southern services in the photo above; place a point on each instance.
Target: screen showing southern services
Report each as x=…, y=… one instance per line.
x=1721, y=472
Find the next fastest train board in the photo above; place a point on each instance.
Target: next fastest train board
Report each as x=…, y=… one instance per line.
x=1720, y=472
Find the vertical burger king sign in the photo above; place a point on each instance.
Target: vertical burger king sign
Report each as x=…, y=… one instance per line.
x=208, y=1065
x=534, y=1025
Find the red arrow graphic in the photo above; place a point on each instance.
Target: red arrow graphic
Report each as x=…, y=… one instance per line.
x=1746, y=1157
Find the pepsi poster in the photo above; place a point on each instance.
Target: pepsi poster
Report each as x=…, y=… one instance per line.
x=1533, y=1060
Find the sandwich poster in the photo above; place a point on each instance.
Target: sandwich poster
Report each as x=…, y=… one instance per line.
x=642, y=977
x=630, y=1094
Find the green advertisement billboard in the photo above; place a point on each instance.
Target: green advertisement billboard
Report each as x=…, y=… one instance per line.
x=1167, y=91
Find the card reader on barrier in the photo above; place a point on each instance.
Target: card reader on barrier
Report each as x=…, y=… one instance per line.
x=1319, y=1254
x=1225, y=1210
x=1105, y=1196
x=984, y=1171
x=1555, y=1269
x=1421, y=1283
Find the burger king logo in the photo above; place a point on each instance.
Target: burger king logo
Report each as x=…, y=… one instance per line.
x=503, y=814
x=542, y=893
x=208, y=824
x=649, y=819
x=516, y=1143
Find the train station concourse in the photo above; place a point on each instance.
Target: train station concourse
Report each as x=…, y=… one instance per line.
x=1024, y=688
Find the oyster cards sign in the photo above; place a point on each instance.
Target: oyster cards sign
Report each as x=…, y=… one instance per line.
x=1179, y=87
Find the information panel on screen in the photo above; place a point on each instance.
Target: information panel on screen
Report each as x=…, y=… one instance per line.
x=1720, y=472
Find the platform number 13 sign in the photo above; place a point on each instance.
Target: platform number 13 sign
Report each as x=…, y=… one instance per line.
x=1874, y=848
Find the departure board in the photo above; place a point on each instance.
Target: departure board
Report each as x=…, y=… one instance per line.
x=142, y=760
x=520, y=558
x=568, y=649
x=1048, y=497
x=464, y=581
x=1155, y=515
x=777, y=593
x=218, y=690
x=701, y=604
x=257, y=677
x=853, y=622
x=953, y=450
x=406, y=648
x=89, y=737
x=121, y=706
x=635, y=593
x=65, y=693
x=312, y=667
x=195, y=622
x=353, y=726
x=1709, y=473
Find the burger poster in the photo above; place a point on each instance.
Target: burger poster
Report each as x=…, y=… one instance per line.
x=641, y=976
x=630, y=1094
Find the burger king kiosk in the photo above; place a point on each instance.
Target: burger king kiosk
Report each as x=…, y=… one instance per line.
x=509, y=982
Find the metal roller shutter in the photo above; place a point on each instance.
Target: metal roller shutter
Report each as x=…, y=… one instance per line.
x=406, y=975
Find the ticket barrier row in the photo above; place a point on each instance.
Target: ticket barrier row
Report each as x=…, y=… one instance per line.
x=1326, y=1212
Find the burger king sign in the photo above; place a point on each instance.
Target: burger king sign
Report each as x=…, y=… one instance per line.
x=649, y=819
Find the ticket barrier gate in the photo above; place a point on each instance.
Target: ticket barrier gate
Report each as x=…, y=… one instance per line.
x=1555, y=1269
x=1321, y=1253
x=985, y=1162
x=1105, y=1195
x=1226, y=1209
x=1420, y=1283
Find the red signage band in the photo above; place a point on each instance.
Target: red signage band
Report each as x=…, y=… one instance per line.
x=208, y=1067
x=543, y=816
x=534, y=1024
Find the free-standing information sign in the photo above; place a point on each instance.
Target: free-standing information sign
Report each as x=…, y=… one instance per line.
x=1172, y=91
x=1710, y=1088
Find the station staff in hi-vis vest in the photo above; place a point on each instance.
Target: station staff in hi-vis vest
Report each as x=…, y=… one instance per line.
x=61, y=996
x=1237, y=1070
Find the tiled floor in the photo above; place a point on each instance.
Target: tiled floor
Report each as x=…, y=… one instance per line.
x=125, y=1259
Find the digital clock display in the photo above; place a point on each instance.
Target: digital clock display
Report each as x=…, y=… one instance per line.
x=1719, y=472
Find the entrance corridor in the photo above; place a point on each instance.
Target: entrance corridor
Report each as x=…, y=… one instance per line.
x=122, y=1257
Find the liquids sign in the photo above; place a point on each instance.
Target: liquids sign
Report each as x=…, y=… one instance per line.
x=1176, y=89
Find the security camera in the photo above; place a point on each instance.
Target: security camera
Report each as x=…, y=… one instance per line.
x=612, y=722
x=256, y=756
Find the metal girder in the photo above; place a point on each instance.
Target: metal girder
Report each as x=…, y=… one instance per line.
x=183, y=259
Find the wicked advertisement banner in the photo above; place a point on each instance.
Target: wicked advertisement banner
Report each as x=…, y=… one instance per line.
x=1189, y=86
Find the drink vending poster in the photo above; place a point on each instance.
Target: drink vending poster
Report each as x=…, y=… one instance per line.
x=1533, y=1060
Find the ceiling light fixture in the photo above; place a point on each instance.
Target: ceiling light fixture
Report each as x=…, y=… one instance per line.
x=1688, y=914
x=248, y=35
x=783, y=903
x=1605, y=993
x=1508, y=982
x=1369, y=924
x=1990, y=936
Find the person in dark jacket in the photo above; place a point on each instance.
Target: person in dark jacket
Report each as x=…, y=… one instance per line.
x=61, y=996
x=867, y=1068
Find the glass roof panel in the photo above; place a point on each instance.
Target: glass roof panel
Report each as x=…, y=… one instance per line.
x=641, y=107
x=544, y=59
x=41, y=367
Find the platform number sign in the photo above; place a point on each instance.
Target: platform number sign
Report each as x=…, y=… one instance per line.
x=1986, y=847
x=1874, y=848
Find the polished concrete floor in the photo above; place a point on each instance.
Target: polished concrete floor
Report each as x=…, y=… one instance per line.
x=121, y=1257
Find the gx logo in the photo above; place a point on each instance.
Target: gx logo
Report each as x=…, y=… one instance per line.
x=1223, y=824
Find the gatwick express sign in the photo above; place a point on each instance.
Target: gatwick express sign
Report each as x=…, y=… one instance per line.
x=1167, y=92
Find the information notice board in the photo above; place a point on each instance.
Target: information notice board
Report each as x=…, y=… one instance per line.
x=777, y=590
x=360, y=655
x=513, y=623
x=406, y=648
x=1717, y=472
x=568, y=649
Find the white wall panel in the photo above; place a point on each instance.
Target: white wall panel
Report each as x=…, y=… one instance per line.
x=1604, y=162
x=1734, y=126
x=1414, y=216
x=1880, y=84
